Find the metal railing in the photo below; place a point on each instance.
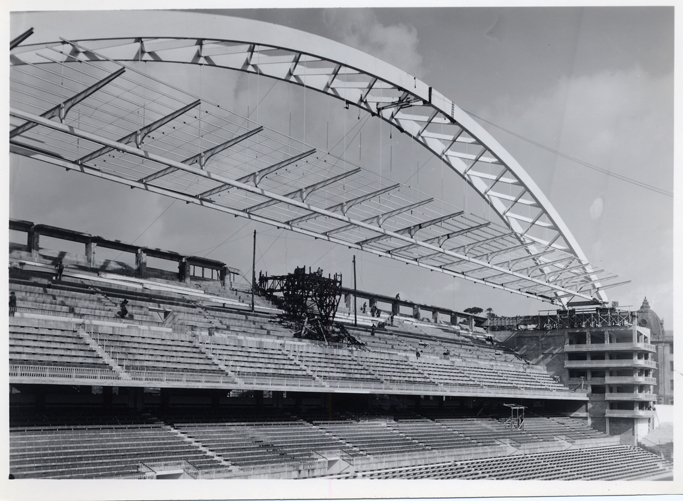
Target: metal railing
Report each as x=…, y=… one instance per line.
x=580, y=364
x=179, y=377
x=48, y=371
x=269, y=471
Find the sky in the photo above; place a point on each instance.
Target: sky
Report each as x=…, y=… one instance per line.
x=594, y=84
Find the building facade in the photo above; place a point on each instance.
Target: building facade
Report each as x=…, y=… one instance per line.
x=663, y=341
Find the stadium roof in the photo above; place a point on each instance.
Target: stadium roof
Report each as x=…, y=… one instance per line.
x=78, y=102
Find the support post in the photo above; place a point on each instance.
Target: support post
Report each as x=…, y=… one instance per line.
x=33, y=241
x=107, y=396
x=355, y=305
x=253, y=273
x=90, y=253
x=454, y=319
x=140, y=263
x=222, y=274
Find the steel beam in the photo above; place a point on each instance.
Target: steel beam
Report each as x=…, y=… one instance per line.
x=441, y=239
x=17, y=41
x=63, y=108
x=139, y=135
x=341, y=58
x=558, y=274
x=490, y=255
x=345, y=206
x=512, y=262
x=31, y=152
x=304, y=193
x=580, y=278
x=468, y=247
x=77, y=133
x=381, y=218
x=204, y=156
x=257, y=177
x=609, y=286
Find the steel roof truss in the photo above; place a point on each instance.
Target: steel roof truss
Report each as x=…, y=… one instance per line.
x=511, y=262
x=441, y=239
x=63, y=108
x=204, y=156
x=558, y=274
x=490, y=255
x=530, y=269
x=139, y=135
x=469, y=247
x=304, y=193
x=380, y=219
x=581, y=278
x=257, y=177
x=413, y=93
x=257, y=191
x=17, y=41
x=345, y=206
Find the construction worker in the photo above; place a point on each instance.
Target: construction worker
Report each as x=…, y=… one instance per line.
x=60, y=270
x=12, y=304
x=123, y=312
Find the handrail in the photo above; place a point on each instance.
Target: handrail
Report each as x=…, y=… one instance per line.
x=47, y=371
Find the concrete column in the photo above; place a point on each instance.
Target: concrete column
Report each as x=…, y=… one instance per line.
x=216, y=398
x=435, y=316
x=416, y=312
x=278, y=399
x=258, y=398
x=136, y=398
x=140, y=263
x=107, y=396
x=33, y=242
x=165, y=395
x=90, y=248
x=40, y=397
x=347, y=300
x=187, y=272
x=470, y=323
x=454, y=319
x=222, y=274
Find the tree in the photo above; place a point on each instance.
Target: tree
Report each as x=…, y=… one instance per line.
x=475, y=310
x=489, y=313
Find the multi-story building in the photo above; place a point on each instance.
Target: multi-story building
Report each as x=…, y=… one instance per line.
x=664, y=344
x=604, y=351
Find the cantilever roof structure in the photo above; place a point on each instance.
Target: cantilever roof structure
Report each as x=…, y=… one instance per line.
x=78, y=102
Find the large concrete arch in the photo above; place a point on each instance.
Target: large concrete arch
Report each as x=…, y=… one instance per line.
x=341, y=72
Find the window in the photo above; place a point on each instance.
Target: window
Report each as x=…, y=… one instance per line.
x=671, y=366
x=671, y=383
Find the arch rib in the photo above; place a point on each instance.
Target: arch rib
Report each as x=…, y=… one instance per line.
x=249, y=49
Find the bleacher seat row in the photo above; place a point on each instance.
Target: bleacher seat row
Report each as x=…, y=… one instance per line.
x=113, y=443
x=248, y=360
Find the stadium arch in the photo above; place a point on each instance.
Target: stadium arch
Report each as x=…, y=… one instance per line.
x=539, y=256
